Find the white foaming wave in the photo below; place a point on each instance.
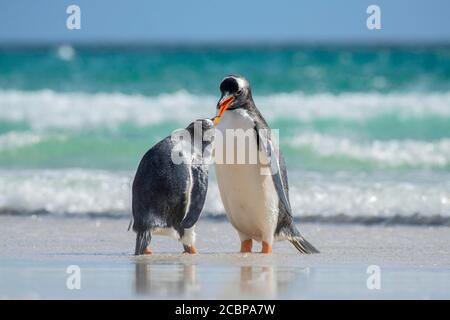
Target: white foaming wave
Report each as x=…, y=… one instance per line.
x=73, y=191
x=18, y=139
x=326, y=196
x=390, y=153
x=82, y=191
x=356, y=106
x=46, y=108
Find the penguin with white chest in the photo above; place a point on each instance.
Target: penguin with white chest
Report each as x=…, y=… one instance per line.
x=170, y=186
x=256, y=201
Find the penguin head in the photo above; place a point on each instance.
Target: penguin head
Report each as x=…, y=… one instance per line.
x=235, y=94
x=203, y=124
x=200, y=129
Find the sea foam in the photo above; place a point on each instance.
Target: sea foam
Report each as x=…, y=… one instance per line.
x=391, y=153
x=78, y=192
x=46, y=108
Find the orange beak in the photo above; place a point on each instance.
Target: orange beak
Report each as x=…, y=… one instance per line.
x=222, y=107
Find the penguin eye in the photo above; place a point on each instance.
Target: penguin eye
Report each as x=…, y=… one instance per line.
x=239, y=92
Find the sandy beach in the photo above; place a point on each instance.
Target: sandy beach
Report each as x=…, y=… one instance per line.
x=36, y=251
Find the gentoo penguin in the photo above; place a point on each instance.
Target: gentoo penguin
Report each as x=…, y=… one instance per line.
x=170, y=185
x=254, y=194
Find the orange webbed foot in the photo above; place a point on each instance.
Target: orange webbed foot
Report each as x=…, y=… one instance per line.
x=193, y=250
x=246, y=246
x=147, y=251
x=266, y=248
x=190, y=249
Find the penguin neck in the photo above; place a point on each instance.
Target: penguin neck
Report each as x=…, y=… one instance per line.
x=248, y=106
x=247, y=111
x=251, y=110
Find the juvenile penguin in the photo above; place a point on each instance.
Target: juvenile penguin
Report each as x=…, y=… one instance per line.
x=170, y=186
x=255, y=194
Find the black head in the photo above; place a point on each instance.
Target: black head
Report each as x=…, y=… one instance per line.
x=235, y=93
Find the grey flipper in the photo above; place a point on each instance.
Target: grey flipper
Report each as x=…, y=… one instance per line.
x=279, y=177
x=274, y=160
x=197, y=195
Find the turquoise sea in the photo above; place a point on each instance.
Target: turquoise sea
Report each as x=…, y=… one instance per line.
x=365, y=130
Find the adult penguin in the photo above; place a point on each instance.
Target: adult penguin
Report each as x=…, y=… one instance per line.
x=254, y=194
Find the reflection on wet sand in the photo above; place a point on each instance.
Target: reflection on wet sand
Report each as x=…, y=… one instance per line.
x=178, y=280
x=166, y=280
x=258, y=281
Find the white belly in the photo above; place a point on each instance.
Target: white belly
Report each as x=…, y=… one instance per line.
x=249, y=197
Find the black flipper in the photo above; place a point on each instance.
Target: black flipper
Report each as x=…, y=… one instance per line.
x=197, y=196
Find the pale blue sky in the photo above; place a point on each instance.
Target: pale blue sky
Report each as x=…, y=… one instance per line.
x=231, y=21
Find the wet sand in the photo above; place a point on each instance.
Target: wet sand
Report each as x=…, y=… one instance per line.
x=36, y=252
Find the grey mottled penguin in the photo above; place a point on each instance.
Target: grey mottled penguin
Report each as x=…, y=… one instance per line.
x=256, y=204
x=170, y=186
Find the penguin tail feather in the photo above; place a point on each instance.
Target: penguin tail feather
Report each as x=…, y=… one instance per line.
x=302, y=245
x=143, y=239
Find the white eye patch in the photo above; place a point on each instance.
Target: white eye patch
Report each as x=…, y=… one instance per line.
x=241, y=83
